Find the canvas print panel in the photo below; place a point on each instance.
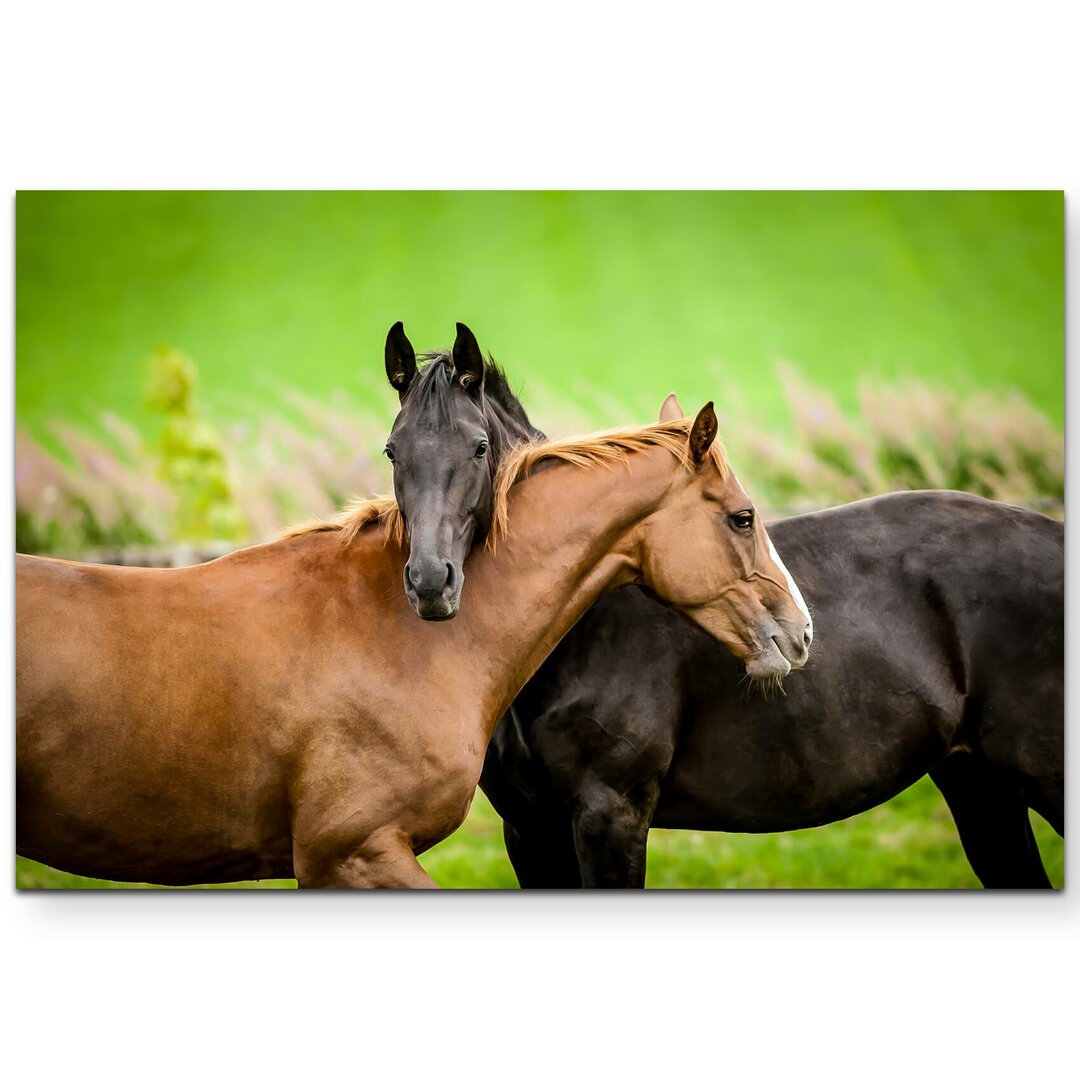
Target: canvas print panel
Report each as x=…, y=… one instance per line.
x=541, y=539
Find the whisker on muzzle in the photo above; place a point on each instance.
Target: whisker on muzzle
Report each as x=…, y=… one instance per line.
x=766, y=685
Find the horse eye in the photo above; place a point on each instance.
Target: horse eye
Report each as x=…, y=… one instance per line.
x=482, y=449
x=389, y=453
x=743, y=520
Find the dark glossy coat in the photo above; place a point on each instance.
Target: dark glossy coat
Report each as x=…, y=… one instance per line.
x=939, y=648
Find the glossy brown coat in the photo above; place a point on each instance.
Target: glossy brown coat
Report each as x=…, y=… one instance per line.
x=282, y=712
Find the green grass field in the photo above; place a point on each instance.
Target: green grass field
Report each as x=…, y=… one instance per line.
x=598, y=304
x=908, y=843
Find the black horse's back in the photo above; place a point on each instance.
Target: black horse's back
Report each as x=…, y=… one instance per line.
x=987, y=581
x=939, y=648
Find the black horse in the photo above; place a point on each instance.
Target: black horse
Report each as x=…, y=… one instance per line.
x=939, y=648
x=939, y=622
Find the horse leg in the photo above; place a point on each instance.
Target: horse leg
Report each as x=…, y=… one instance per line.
x=383, y=861
x=991, y=816
x=543, y=856
x=1048, y=801
x=1042, y=779
x=611, y=831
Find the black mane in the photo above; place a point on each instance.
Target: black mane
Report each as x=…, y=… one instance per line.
x=497, y=390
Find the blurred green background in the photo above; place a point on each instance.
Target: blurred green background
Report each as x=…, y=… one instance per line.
x=633, y=294
x=782, y=306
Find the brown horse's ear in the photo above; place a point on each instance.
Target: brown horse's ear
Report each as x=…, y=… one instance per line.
x=703, y=432
x=400, y=359
x=670, y=410
x=468, y=361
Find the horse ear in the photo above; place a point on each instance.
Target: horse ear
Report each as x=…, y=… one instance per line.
x=400, y=359
x=703, y=432
x=670, y=410
x=468, y=360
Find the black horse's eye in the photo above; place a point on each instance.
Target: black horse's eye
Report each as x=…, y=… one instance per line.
x=744, y=519
x=389, y=453
x=482, y=448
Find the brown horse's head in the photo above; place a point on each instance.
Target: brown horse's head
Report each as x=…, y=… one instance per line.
x=457, y=420
x=707, y=553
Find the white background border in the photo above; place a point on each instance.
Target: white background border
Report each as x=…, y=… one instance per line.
x=578, y=95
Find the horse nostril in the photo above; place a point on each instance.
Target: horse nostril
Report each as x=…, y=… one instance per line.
x=428, y=576
x=808, y=636
x=449, y=576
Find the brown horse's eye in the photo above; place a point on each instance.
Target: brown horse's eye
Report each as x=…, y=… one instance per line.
x=743, y=520
x=389, y=454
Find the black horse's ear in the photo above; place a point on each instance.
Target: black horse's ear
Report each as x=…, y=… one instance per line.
x=400, y=359
x=703, y=432
x=468, y=360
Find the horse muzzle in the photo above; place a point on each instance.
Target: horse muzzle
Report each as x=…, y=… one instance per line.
x=782, y=652
x=433, y=588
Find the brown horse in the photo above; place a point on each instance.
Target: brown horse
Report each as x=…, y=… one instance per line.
x=282, y=712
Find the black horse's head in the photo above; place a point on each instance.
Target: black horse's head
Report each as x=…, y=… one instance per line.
x=458, y=417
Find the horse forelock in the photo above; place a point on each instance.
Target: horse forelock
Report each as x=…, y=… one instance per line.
x=427, y=395
x=605, y=448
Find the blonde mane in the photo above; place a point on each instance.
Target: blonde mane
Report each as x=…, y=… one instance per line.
x=358, y=515
x=605, y=448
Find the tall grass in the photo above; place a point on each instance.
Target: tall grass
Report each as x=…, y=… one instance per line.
x=111, y=488
x=908, y=435
x=107, y=493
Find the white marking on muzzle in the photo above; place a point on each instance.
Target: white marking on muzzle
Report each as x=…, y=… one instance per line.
x=792, y=587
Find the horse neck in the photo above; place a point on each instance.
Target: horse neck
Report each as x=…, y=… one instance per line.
x=574, y=533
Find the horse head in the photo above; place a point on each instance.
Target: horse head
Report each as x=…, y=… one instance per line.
x=708, y=555
x=458, y=418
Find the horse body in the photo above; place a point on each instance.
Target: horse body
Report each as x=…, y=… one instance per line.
x=939, y=621
x=282, y=712
x=201, y=688
x=242, y=719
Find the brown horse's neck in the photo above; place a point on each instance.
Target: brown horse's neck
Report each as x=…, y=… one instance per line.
x=574, y=533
